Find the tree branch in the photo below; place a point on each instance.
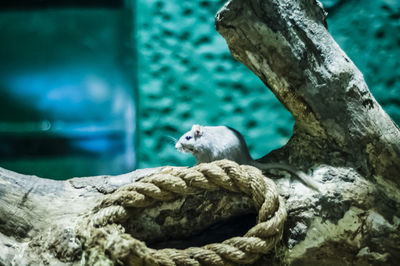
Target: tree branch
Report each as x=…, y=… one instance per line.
x=287, y=45
x=342, y=138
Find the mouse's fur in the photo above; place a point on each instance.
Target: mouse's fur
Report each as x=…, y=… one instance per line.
x=209, y=144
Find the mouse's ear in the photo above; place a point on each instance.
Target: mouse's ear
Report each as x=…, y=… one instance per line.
x=197, y=130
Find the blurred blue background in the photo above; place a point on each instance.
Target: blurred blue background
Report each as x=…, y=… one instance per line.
x=102, y=87
x=67, y=84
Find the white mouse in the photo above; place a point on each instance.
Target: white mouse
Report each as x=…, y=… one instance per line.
x=211, y=143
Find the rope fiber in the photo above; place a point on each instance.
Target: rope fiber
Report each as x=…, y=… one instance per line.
x=106, y=243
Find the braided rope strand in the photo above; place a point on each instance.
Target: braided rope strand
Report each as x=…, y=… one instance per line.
x=175, y=182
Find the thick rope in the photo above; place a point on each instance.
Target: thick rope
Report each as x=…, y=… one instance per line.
x=106, y=240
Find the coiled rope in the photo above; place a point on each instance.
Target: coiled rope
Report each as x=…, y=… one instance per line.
x=106, y=243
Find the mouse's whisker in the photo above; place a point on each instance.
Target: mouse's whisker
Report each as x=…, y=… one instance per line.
x=171, y=139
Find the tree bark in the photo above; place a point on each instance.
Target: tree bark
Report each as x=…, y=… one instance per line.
x=339, y=125
x=50, y=222
x=287, y=45
x=342, y=138
x=38, y=216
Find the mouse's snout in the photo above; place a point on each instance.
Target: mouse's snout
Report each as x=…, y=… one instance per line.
x=184, y=147
x=178, y=146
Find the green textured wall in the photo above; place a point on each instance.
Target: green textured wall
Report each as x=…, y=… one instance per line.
x=187, y=75
x=369, y=32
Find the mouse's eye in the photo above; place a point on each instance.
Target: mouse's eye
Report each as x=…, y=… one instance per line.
x=188, y=137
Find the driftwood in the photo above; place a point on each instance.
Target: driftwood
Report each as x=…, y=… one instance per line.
x=341, y=132
x=342, y=138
